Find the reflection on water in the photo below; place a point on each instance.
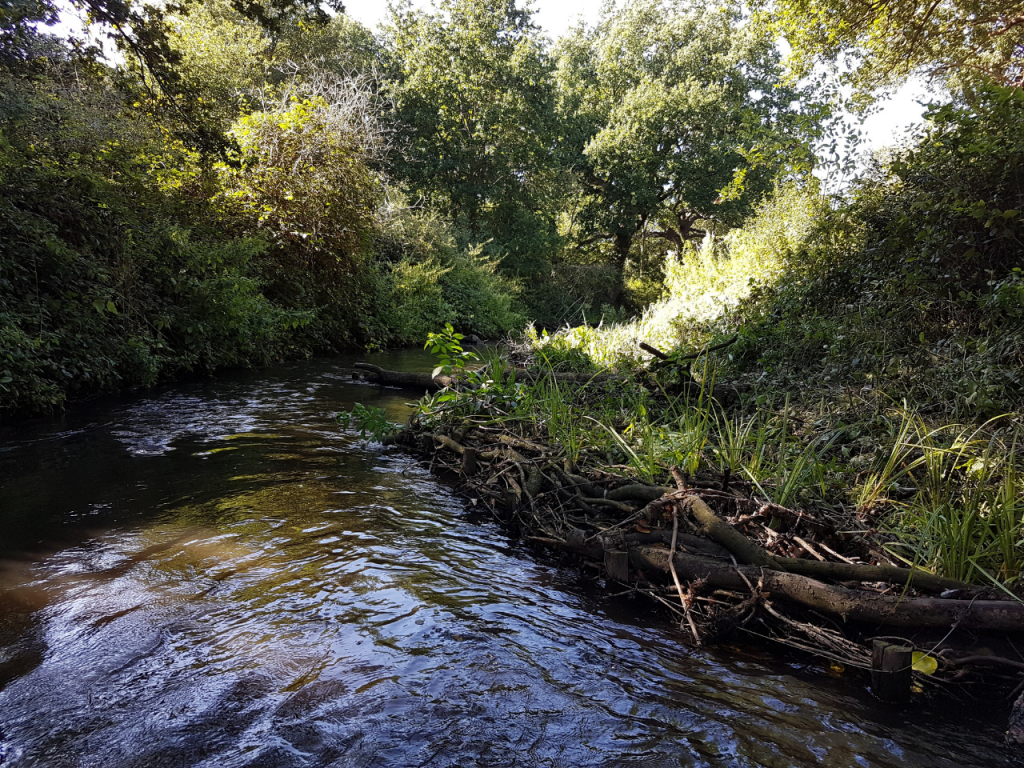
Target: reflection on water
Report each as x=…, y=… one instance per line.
x=216, y=576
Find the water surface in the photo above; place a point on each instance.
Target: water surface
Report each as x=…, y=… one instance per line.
x=216, y=575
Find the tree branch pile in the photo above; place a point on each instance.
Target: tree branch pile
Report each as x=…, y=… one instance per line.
x=718, y=557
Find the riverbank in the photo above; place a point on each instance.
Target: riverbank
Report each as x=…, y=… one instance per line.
x=744, y=519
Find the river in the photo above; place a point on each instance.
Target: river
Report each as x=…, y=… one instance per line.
x=215, y=574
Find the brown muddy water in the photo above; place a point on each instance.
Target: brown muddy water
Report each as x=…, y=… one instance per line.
x=216, y=575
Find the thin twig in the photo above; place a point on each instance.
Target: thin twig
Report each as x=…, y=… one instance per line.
x=675, y=578
x=832, y=552
x=808, y=547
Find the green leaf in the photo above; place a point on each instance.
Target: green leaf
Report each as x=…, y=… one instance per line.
x=111, y=308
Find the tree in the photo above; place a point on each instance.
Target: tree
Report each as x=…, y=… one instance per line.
x=233, y=63
x=301, y=178
x=957, y=40
x=678, y=118
x=303, y=175
x=144, y=32
x=474, y=101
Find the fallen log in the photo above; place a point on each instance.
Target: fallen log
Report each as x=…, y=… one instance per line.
x=687, y=542
x=405, y=379
x=424, y=381
x=747, y=552
x=637, y=492
x=664, y=356
x=718, y=530
x=849, y=604
x=654, y=351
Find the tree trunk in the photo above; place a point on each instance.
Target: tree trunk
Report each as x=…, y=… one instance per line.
x=406, y=379
x=623, y=244
x=723, y=393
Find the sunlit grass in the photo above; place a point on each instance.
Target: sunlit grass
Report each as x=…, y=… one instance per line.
x=704, y=284
x=946, y=496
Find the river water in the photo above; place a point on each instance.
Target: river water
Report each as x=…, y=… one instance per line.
x=215, y=574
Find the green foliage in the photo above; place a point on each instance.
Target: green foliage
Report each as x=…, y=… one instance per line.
x=425, y=280
x=224, y=58
x=447, y=347
x=910, y=288
x=561, y=357
x=472, y=96
x=153, y=66
x=912, y=284
x=233, y=63
x=370, y=421
x=483, y=301
x=127, y=256
x=965, y=518
x=110, y=274
x=705, y=286
x=960, y=40
x=676, y=119
x=301, y=177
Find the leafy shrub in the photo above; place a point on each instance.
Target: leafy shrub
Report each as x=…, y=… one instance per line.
x=111, y=273
x=912, y=284
x=915, y=280
x=426, y=281
x=706, y=285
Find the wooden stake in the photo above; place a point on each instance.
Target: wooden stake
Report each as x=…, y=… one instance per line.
x=891, y=671
x=510, y=502
x=616, y=563
x=675, y=578
x=469, y=461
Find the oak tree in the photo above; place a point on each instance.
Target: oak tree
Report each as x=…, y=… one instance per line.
x=474, y=102
x=678, y=118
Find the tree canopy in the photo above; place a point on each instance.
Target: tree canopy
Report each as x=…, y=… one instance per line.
x=957, y=40
x=473, y=102
x=676, y=114
x=145, y=34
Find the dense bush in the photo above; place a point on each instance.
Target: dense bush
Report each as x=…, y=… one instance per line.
x=705, y=285
x=126, y=257
x=429, y=281
x=916, y=279
x=109, y=276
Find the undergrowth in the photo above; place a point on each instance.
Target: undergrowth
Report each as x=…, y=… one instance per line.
x=944, y=499
x=879, y=341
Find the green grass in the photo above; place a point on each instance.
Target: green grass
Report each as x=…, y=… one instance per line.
x=965, y=517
